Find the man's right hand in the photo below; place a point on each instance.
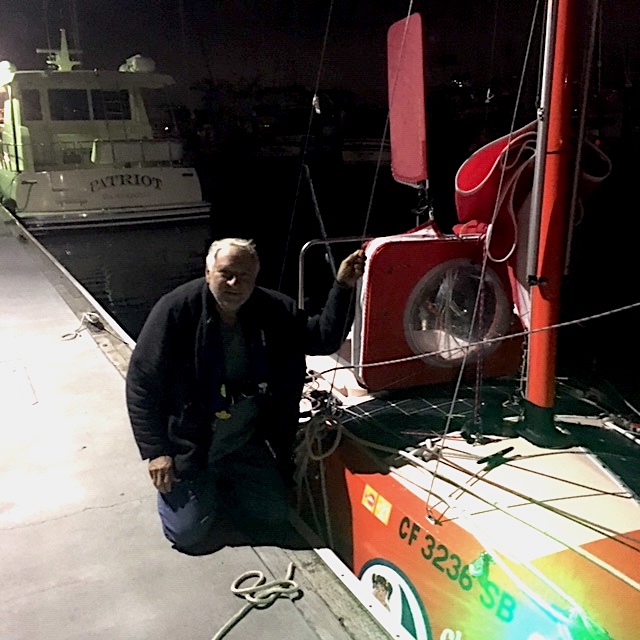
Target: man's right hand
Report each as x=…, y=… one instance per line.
x=161, y=472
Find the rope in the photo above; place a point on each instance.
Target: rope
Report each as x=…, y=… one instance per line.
x=314, y=429
x=471, y=345
x=92, y=321
x=261, y=594
x=86, y=320
x=316, y=88
x=509, y=512
x=321, y=420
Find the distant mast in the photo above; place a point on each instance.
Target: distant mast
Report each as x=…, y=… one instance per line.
x=60, y=59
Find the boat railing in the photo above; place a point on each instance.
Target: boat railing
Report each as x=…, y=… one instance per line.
x=90, y=154
x=326, y=242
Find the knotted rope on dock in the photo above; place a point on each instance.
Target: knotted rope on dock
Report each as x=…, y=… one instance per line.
x=261, y=594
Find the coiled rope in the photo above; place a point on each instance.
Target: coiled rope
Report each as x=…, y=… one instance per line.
x=92, y=321
x=88, y=319
x=261, y=594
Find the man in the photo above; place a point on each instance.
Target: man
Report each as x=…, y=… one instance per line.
x=213, y=391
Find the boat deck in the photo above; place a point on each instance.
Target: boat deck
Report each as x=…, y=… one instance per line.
x=82, y=552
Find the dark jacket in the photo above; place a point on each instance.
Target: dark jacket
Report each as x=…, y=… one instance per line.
x=176, y=370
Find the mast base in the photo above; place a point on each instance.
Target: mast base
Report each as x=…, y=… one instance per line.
x=539, y=428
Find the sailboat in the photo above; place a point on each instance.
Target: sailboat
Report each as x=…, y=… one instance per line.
x=457, y=485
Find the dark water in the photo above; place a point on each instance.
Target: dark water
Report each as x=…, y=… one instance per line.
x=127, y=270
x=272, y=201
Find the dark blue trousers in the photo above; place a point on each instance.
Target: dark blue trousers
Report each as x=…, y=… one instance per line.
x=244, y=485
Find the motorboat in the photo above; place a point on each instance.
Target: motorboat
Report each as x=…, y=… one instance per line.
x=81, y=148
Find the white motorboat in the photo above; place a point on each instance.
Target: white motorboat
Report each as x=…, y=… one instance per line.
x=78, y=147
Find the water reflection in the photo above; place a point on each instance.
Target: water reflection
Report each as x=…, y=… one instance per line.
x=128, y=269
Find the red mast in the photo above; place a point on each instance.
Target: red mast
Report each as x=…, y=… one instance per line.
x=555, y=193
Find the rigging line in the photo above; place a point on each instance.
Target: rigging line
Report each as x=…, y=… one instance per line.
x=537, y=10
x=369, y=444
x=630, y=434
x=420, y=356
x=492, y=57
x=578, y=550
x=452, y=454
x=316, y=208
x=486, y=252
x=385, y=132
x=341, y=431
x=457, y=387
x=306, y=141
x=612, y=389
x=557, y=452
x=376, y=174
x=74, y=24
x=616, y=536
x=516, y=106
x=45, y=18
x=371, y=417
x=582, y=110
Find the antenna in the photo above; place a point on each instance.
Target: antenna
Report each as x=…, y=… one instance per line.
x=58, y=59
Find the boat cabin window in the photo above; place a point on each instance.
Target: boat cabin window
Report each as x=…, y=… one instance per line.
x=68, y=104
x=74, y=104
x=30, y=102
x=110, y=105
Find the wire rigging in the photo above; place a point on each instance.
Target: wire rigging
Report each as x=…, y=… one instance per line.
x=302, y=171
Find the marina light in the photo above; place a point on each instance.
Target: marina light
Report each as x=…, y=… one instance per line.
x=7, y=71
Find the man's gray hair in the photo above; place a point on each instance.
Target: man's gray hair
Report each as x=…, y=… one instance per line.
x=241, y=243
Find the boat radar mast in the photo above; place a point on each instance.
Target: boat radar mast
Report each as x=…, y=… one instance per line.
x=58, y=59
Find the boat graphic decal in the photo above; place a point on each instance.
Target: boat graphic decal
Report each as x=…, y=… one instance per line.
x=393, y=589
x=374, y=502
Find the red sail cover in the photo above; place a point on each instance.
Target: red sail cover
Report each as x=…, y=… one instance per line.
x=494, y=186
x=407, y=118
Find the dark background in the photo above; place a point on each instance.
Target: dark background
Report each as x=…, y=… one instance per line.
x=223, y=54
x=281, y=42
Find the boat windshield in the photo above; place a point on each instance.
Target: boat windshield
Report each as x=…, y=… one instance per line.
x=78, y=104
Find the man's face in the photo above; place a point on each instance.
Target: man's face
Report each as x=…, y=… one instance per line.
x=232, y=278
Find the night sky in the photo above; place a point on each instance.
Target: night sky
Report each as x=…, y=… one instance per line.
x=281, y=42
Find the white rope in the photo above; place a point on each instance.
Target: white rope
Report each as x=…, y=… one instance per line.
x=92, y=321
x=86, y=320
x=261, y=594
x=314, y=430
